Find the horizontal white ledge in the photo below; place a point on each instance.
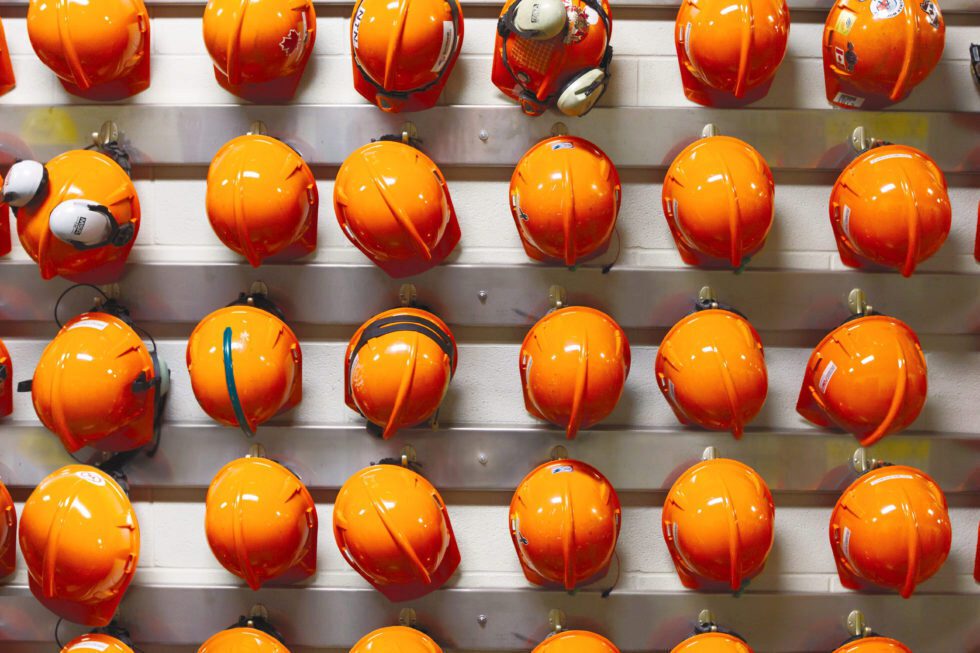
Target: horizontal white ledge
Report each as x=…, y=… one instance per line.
x=518, y=619
x=497, y=459
x=515, y=295
x=633, y=137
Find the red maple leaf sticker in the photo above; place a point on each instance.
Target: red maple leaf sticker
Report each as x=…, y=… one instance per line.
x=290, y=42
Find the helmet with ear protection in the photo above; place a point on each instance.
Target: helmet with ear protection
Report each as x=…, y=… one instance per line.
x=6, y=70
x=8, y=532
x=553, y=52
x=78, y=214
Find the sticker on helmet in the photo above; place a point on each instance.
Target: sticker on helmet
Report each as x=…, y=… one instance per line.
x=828, y=374
x=562, y=469
x=91, y=477
x=517, y=531
x=290, y=42
x=687, y=40
x=563, y=145
x=89, y=324
x=448, y=41
x=356, y=25
x=845, y=22
x=932, y=12
x=881, y=9
x=845, y=221
x=845, y=546
x=90, y=646
x=846, y=100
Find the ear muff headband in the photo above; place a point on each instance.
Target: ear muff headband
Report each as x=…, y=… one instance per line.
x=236, y=403
x=413, y=323
x=454, y=12
x=506, y=31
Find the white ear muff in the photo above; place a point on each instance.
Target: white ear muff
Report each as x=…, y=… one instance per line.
x=82, y=224
x=539, y=19
x=163, y=373
x=23, y=183
x=580, y=95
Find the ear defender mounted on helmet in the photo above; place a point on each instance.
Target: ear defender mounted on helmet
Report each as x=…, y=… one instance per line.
x=6, y=382
x=553, y=496
x=890, y=528
x=553, y=53
x=718, y=199
x=250, y=634
x=403, y=52
x=398, y=367
x=865, y=640
x=80, y=517
x=262, y=198
x=393, y=204
x=574, y=363
x=718, y=523
x=711, y=368
x=709, y=637
x=260, y=49
x=245, y=363
x=98, y=385
x=867, y=376
x=391, y=525
x=98, y=50
x=78, y=215
x=728, y=54
x=7, y=81
x=8, y=532
x=261, y=522
x=890, y=207
x=875, y=53
x=565, y=196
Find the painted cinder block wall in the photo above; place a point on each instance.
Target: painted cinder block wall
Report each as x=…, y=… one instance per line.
x=486, y=390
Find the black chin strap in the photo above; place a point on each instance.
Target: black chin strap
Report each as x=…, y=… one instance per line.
x=412, y=323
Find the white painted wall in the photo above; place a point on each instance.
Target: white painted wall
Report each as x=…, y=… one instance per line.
x=486, y=390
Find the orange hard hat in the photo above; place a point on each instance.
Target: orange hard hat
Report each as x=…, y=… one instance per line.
x=564, y=521
x=712, y=643
x=96, y=642
x=97, y=385
x=245, y=365
x=259, y=42
x=81, y=541
x=262, y=198
x=6, y=382
x=875, y=53
x=553, y=53
x=881, y=379
x=8, y=532
x=890, y=206
x=730, y=53
x=261, y=522
x=565, y=196
x=404, y=51
x=393, y=528
x=576, y=641
x=398, y=367
x=890, y=528
x=396, y=639
x=711, y=369
x=76, y=215
x=7, y=81
x=393, y=204
x=242, y=640
x=873, y=644
x=718, y=199
x=98, y=50
x=574, y=363
x=718, y=523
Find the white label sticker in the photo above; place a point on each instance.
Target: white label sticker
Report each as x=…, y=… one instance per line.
x=562, y=469
x=448, y=40
x=89, y=324
x=848, y=100
x=881, y=9
x=670, y=391
x=358, y=15
x=90, y=646
x=845, y=221
x=845, y=546
x=91, y=477
x=828, y=374
x=687, y=41
x=563, y=145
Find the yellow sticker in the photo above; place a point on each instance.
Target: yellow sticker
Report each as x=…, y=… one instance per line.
x=845, y=22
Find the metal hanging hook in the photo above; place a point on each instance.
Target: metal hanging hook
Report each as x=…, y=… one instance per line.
x=856, y=625
x=706, y=621
x=556, y=619
x=861, y=141
x=857, y=302
x=559, y=129
x=409, y=132
x=258, y=288
x=709, y=453
x=108, y=133
x=557, y=297
x=709, y=130
x=558, y=452
x=408, y=455
x=257, y=128
x=256, y=451
x=408, y=295
x=407, y=618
